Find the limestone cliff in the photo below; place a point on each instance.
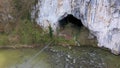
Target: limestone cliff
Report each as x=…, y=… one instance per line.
x=101, y=17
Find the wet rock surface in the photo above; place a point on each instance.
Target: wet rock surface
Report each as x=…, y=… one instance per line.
x=76, y=59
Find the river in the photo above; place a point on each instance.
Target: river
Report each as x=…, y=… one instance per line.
x=59, y=57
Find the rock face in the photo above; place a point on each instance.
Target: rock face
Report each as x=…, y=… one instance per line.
x=101, y=17
x=5, y=11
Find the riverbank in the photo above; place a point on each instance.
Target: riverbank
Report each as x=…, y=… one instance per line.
x=27, y=34
x=19, y=46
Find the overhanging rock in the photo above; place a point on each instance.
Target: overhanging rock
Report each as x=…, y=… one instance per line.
x=101, y=17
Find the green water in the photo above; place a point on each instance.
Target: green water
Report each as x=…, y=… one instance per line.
x=17, y=58
x=59, y=57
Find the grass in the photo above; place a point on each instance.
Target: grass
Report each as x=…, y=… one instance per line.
x=29, y=33
x=3, y=39
x=26, y=32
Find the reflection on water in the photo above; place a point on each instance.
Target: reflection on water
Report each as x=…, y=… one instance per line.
x=18, y=58
x=58, y=57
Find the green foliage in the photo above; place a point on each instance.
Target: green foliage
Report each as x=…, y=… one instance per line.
x=3, y=39
x=50, y=31
x=28, y=32
x=18, y=4
x=23, y=8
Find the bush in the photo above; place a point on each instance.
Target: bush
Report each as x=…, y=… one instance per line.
x=29, y=32
x=4, y=39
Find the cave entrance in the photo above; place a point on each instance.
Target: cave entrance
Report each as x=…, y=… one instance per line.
x=72, y=29
x=70, y=19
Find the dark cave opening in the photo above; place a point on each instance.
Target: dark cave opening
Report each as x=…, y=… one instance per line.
x=70, y=19
x=72, y=28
